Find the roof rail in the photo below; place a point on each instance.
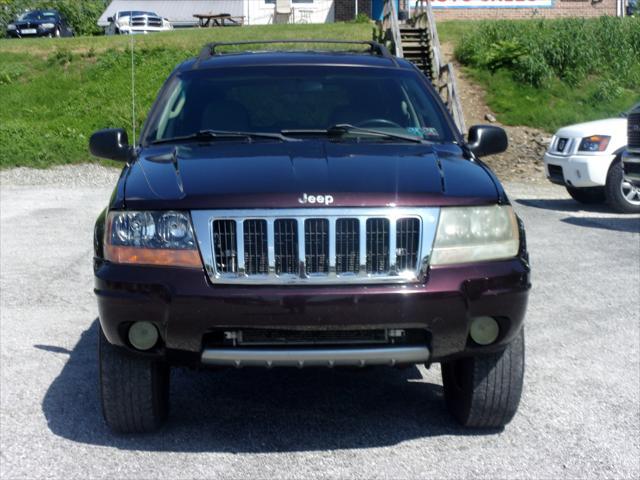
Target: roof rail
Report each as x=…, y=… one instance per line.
x=375, y=48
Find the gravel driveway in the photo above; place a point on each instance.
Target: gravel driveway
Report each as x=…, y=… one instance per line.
x=579, y=417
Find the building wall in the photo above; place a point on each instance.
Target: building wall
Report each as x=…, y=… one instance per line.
x=345, y=9
x=560, y=8
x=262, y=12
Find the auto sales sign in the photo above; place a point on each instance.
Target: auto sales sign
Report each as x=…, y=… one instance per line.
x=491, y=3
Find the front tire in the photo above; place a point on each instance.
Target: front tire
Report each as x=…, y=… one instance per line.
x=134, y=390
x=484, y=391
x=587, y=195
x=621, y=196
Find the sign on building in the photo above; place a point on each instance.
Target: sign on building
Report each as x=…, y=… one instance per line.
x=492, y=3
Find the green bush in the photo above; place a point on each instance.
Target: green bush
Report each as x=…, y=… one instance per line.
x=570, y=50
x=504, y=54
x=82, y=15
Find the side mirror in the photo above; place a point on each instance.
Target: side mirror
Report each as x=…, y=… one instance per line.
x=487, y=140
x=110, y=19
x=111, y=143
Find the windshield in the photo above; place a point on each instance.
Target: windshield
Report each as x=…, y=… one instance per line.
x=39, y=15
x=298, y=98
x=135, y=13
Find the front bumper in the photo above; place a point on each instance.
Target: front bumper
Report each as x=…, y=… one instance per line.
x=142, y=30
x=186, y=308
x=631, y=167
x=578, y=170
x=37, y=32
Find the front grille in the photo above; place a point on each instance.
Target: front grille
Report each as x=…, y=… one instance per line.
x=562, y=144
x=633, y=131
x=311, y=337
x=316, y=245
x=146, y=21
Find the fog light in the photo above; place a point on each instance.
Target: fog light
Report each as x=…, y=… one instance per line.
x=484, y=330
x=143, y=335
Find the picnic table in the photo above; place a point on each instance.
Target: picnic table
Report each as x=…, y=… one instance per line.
x=218, y=20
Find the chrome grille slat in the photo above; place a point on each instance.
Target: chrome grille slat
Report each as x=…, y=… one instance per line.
x=377, y=245
x=407, y=238
x=255, y=241
x=286, y=246
x=316, y=245
x=240, y=235
x=225, y=244
x=347, y=245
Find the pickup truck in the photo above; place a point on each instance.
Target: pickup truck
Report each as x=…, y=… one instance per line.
x=307, y=209
x=586, y=159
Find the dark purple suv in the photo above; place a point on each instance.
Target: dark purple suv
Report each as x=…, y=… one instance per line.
x=307, y=209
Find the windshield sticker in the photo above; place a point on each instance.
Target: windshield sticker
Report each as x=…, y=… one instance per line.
x=424, y=132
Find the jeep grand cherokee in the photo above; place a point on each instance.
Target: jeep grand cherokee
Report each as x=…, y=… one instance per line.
x=307, y=209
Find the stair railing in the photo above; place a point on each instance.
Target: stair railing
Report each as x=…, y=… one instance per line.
x=446, y=82
x=391, y=26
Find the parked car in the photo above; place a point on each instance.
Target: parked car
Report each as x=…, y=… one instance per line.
x=587, y=159
x=40, y=23
x=273, y=214
x=130, y=22
x=631, y=155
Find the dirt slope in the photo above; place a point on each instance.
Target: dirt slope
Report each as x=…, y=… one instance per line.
x=523, y=160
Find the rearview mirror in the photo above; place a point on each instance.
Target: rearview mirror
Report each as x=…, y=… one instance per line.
x=487, y=140
x=110, y=19
x=111, y=143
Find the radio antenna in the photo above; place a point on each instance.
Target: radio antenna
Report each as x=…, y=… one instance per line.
x=133, y=85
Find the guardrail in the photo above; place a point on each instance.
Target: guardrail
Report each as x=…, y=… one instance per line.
x=391, y=27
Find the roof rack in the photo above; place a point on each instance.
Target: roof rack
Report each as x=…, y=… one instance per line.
x=375, y=48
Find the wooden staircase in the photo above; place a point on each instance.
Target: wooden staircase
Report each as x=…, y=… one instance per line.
x=417, y=48
x=417, y=41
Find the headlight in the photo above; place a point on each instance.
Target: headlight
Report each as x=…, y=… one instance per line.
x=472, y=234
x=594, y=143
x=11, y=26
x=46, y=26
x=151, y=238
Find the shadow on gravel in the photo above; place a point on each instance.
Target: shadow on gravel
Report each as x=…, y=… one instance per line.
x=257, y=410
x=629, y=224
x=564, y=205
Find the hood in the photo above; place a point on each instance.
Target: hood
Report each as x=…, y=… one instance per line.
x=33, y=22
x=277, y=175
x=609, y=126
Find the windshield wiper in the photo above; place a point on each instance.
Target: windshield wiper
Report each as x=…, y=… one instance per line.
x=209, y=135
x=342, y=129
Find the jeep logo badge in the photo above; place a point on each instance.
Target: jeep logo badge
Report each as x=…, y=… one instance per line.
x=322, y=199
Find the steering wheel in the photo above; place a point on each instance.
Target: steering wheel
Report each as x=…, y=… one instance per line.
x=381, y=122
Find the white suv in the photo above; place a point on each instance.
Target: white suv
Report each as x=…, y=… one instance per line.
x=586, y=159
